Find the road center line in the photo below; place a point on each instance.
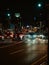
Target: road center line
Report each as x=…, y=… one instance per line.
x=17, y=51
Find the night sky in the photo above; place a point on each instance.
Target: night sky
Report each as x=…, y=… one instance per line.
x=27, y=8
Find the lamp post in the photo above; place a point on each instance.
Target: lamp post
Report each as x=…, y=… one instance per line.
x=17, y=15
x=39, y=7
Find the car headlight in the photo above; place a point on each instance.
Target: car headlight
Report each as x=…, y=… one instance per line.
x=42, y=36
x=34, y=36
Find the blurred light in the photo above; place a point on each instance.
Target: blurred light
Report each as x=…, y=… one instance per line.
x=27, y=25
x=12, y=34
x=42, y=36
x=35, y=41
x=21, y=36
x=17, y=14
x=8, y=14
x=22, y=27
x=35, y=27
x=2, y=37
x=39, y=5
x=30, y=31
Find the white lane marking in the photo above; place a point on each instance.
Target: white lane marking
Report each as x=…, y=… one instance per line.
x=11, y=44
x=45, y=56
x=17, y=51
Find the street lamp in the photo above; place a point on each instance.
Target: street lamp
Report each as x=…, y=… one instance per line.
x=39, y=4
x=8, y=14
x=17, y=15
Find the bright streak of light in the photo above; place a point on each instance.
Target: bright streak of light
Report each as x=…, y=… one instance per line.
x=27, y=25
x=8, y=14
x=21, y=36
x=42, y=36
x=12, y=34
x=2, y=37
x=34, y=36
x=17, y=14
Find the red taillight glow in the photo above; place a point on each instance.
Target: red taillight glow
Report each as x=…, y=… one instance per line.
x=11, y=35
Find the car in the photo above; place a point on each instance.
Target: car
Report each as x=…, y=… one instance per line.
x=35, y=38
x=42, y=38
x=17, y=37
x=28, y=37
x=8, y=34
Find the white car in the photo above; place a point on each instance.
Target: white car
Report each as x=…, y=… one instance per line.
x=35, y=38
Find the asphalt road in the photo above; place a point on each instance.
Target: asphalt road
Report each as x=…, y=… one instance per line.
x=20, y=53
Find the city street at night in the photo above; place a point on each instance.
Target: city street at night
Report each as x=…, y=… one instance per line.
x=24, y=32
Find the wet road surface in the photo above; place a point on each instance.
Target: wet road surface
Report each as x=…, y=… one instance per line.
x=22, y=53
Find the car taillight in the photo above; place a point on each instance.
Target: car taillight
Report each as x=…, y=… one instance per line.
x=11, y=35
x=21, y=36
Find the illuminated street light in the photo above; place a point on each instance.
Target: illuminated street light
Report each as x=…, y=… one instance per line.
x=17, y=15
x=8, y=14
x=39, y=5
